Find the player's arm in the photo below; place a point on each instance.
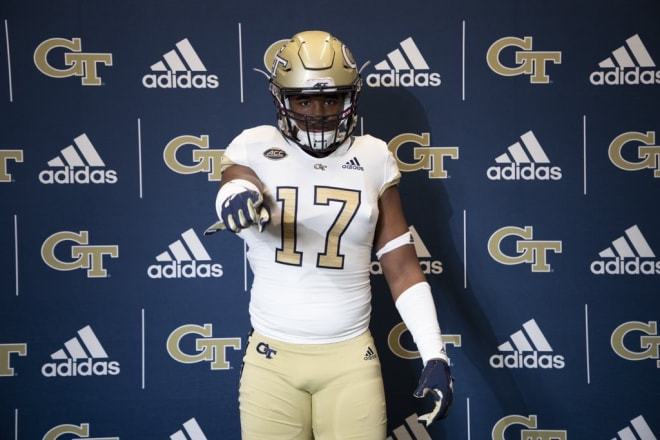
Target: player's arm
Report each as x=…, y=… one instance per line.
x=412, y=296
x=239, y=202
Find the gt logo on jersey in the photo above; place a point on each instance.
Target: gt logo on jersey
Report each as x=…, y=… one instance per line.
x=209, y=349
x=427, y=157
x=83, y=255
x=647, y=153
x=534, y=252
x=204, y=159
x=81, y=430
x=528, y=62
x=397, y=347
x=525, y=434
x=6, y=351
x=81, y=64
x=5, y=157
x=649, y=341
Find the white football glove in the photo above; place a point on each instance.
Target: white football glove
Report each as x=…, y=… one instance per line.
x=436, y=378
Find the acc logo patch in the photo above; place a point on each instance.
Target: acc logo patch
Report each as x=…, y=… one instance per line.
x=275, y=153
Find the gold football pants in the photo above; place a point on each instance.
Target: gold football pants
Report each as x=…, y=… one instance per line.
x=312, y=391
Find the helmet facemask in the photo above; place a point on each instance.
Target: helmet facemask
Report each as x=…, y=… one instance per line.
x=317, y=134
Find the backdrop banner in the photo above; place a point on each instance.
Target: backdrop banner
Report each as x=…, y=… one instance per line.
x=528, y=137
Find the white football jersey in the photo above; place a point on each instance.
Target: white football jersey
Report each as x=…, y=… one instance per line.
x=311, y=262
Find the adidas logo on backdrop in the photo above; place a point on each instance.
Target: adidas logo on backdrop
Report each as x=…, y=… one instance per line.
x=410, y=430
x=428, y=264
x=629, y=254
x=181, y=68
x=630, y=64
x=527, y=349
x=78, y=163
x=81, y=356
x=640, y=426
x=185, y=258
x=192, y=429
x=404, y=67
x=524, y=160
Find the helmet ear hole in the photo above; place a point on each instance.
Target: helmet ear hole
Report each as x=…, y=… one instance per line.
x=314, y=63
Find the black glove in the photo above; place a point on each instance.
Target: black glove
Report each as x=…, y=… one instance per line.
x=436, y=378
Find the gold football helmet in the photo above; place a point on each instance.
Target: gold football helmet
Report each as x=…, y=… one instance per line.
x=314, y=63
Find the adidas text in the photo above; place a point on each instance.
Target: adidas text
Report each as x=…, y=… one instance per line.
x=526, y=172
x=531, y=360
x=429, y=267
x=78, y=175
x=408, y=79
x=620, y=266
x=192, y=269
x=620, y=76
x=184, y=80
x=88, y=367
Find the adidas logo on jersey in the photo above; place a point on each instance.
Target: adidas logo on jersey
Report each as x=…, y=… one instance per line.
x=527, y=349
x=176, y=70
x=630, y=64
x=370, y=354
x=641, y=428
x=81, y=356
x=192, y=429
x=629, y=254
x=524, y=160
x=78, y=163
x=185, y=258
x=404, y=67
x=353, y=164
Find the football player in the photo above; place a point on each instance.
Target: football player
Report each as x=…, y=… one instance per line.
x=313, y=201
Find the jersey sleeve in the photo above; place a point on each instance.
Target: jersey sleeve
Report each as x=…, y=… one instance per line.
x=392, y=175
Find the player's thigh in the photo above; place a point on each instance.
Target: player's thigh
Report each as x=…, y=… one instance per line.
x=353, y=407
x=271, y=408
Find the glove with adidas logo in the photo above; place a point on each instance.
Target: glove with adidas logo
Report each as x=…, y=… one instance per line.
x=239, y=205
x=436, y=378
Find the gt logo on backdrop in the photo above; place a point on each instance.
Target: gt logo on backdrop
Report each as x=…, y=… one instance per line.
x=643, y=335
x=84, y=65
x=426, y=157
x=5, y=157
x=6, y=350
x=530, y=433
x=82, y=254
x=208, y=349
x=645, y=155
x=528, y=62
x=534, y=252
x=204, y=159
x=394, y=341
x=81, y=430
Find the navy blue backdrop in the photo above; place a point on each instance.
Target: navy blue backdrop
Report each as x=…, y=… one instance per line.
x=527, y=136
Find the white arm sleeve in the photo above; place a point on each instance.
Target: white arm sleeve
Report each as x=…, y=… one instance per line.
x=416, y=307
